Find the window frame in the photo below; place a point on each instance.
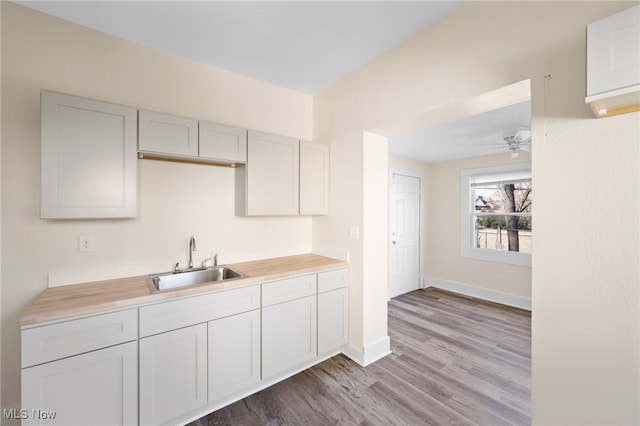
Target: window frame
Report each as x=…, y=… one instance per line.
x=467, y=217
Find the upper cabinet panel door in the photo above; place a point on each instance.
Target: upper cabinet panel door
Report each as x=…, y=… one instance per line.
x=88, y=158
x=273, y=166
x=221, y=142
x=167, y=134
x=613, y=52
x=314, y=178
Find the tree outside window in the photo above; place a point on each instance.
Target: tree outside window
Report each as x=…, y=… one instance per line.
x=503, y=208
x=495, y=213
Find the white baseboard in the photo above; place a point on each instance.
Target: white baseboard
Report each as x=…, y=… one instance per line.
x=480, y=292
x=371, y=352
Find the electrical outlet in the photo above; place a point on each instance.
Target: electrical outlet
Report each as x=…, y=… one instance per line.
x=86, y=243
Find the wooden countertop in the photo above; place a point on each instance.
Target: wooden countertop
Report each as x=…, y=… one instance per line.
x=102, y=296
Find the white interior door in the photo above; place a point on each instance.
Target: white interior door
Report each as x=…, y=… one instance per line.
x=404, y=233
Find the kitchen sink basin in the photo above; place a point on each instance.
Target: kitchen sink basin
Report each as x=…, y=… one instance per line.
x=173, y=280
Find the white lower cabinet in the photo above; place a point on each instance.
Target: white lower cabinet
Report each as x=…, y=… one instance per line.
x=234, y=354
x=166, y=362
x=333, y=308
x=173, y=374
x=289, y=335
x=332, y=320
x=95, y=388
x=82, y=371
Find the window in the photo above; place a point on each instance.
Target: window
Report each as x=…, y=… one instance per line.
x=495, y=214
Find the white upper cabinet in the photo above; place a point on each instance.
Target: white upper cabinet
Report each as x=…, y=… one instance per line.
x=184, y=139
x=613, y=63
x=269, y=184
x=221, y=142
x=168, y=134
x=88, y=158
x=283, y=176
x=314, y=178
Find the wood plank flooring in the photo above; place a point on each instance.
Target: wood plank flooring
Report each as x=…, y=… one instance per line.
x=456, y=361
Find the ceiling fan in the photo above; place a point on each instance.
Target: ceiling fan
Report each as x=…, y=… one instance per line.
x=514, y=142
x=520, y=140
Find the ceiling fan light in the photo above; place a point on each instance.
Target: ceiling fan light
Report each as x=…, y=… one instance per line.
x=514, y=154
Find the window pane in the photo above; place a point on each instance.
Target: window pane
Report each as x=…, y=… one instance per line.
x=503, y=233
x=513, y=197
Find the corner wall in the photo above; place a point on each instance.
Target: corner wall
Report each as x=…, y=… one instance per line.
x=175, y=200
x=586, y=313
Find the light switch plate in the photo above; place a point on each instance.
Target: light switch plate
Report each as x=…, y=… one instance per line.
x=354, y=232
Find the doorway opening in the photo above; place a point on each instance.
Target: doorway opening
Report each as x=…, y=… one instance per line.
x=487, y=130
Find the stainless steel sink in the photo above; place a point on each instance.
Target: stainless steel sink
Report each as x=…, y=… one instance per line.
x=173, y=280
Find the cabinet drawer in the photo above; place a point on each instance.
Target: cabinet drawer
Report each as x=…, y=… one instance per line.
x=60, y=340
x=288, y=289
x=332, y=280
x=194, y=310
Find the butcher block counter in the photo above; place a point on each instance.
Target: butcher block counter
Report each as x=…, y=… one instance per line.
x=102, y=296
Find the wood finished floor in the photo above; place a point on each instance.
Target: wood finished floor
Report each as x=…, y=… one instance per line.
x=456, y=361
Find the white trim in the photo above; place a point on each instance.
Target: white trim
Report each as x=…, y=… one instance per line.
x=480, y=293
x=421, y=245
x=371, y=352
x=467, y=243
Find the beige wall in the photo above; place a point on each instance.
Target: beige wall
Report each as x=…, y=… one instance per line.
x=175, y=200
x=443, y=222
x=441, y=233
x=586, y=317
x=1, y=405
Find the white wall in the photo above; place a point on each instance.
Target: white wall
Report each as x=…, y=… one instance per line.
x=175, y=200
x=586, y=316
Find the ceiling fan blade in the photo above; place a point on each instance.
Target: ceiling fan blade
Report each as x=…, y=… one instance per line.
x=491, y=151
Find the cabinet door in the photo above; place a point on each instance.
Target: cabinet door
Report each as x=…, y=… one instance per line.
x=173, y=374
x=88, y=158
x=168, y=134
x=289, y=335
x=314, y=178
x=234, y=354
x=272, y=169
x=96, y=388
x=332, y=320
x=224, y=143
x=613, y=52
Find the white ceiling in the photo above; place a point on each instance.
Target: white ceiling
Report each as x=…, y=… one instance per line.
x=301, y=45
x=474, y=136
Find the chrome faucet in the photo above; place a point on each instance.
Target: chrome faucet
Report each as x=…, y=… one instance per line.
x=192, y=248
